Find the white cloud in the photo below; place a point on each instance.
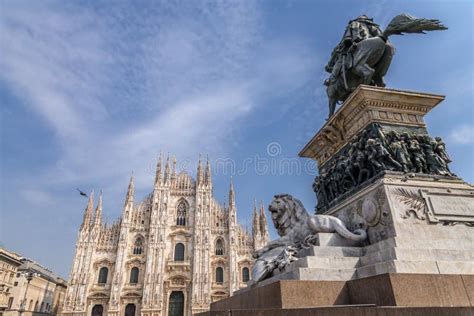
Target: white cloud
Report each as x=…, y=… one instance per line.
x=36, y=197
x=462, y=135
x=118, y=87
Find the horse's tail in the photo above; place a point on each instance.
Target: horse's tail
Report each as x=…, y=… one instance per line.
x=404, y=23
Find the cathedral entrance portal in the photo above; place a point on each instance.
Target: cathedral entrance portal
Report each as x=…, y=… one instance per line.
x=130, y=310
x=97, y=310
x=176, y=304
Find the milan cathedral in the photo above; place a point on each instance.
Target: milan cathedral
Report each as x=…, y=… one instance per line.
x=173, y=253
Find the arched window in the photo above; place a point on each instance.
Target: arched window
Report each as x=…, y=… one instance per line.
x=245, y=274
x=103, y=272
x=219, y=247
x=219, y=275
x=36, y=306
x=134, y=275
x=97, y=310
x=138, y=246
x=176, y=303
x=179, y=252
x=181, y=214
x=130, y=310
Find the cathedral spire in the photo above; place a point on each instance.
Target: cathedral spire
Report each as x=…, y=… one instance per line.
x=208, y=175
x=199, y=172
x=167, y=169
x=256, y=221
x=231, y=194
x=88, y=211
x=98, y=211
x=158, y=170
x=130, y=192
x=173, y=175
x=232, y=213
x=263, y=223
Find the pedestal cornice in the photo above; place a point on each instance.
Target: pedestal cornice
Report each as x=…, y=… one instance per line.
x=364, y=106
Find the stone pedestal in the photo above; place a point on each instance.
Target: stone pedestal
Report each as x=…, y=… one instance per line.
x=419, y=218
x=416, y=222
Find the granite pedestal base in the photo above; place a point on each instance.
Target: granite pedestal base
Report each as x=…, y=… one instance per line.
x=350, y=311
x=386, y=294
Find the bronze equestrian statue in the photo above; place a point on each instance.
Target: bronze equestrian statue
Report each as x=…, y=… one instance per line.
x=364, y=54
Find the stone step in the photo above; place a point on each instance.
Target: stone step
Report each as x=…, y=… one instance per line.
x=416, y=255
x=331, y=251
x=319, y=274
x=398, y=266
x=326, y=263
x=455, y=267
x=446, y=244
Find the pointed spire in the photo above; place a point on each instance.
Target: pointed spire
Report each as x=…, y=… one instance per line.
x=158, y=170
x=208, y=175
x=167, y=169
x=130, y=192
x=256, y=221
x=231, y=194
x=199, y=171
x=263, y=223
x=98, y=211
x=173, y=176
x=88, y=211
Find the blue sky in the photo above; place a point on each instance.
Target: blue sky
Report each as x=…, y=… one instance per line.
x=91, y=90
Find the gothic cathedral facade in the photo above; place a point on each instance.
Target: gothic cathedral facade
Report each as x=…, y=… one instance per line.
x=173, y=253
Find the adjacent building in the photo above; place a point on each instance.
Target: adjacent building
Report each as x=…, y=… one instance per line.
x=9, y=263
x=171, y=254
x=28, y=287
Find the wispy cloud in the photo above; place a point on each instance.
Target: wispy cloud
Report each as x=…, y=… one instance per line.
x=117, y=86
x=462, y=135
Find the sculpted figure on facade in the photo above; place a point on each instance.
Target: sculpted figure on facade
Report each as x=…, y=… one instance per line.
x=296, y=229
x=364, y=54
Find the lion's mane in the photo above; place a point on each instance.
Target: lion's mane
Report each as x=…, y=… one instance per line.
x=288, y=214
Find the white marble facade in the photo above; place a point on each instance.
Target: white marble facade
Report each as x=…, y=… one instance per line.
x=178, y=249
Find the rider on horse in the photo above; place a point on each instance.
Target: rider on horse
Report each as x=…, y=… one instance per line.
x=357, y=30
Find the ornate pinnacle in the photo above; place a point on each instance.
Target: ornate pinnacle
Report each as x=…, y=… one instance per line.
x=88, y=211
x=208, y=177
x=158, y=169
x=98, y=211
x=167, y=169
x=130, y=192
x=199, y=171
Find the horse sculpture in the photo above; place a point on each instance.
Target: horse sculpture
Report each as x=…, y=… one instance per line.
x=365, y=53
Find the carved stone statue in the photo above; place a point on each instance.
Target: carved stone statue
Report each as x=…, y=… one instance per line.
x=295, y=228
x=364, y=54
x=375, y=151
